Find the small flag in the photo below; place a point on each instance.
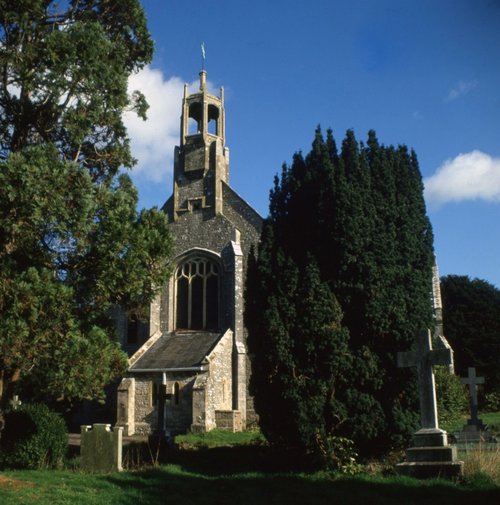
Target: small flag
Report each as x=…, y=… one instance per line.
x=203, y=50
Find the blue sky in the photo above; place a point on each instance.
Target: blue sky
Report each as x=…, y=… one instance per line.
x=425, y=73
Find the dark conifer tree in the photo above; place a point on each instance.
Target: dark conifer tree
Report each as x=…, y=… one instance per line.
x=72, y=242
x=471, y=315
x=359, y=218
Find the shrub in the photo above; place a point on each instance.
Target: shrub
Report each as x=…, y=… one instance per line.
x=338, y=454
x=451, y=395
x=492, y=402
x=34, y=437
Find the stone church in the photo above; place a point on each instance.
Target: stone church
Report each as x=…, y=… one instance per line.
x=188, y=367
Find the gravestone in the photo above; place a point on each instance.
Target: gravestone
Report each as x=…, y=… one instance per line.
x=15, y=403
x=472, y=381
x=475, y=430
x=101, y=448
x=430, y=456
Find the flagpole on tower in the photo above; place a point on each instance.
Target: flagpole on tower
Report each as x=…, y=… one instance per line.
x=203, y=55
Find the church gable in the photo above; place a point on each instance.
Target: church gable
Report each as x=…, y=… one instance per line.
x=195, y=372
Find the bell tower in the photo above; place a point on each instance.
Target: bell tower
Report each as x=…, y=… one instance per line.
x=201, y=161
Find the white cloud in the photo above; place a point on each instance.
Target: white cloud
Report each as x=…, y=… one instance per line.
x=462, y=88
x=468, y=176
x=153, y=140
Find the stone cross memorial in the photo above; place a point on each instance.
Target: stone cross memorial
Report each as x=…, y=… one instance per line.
x=472, y=381
x=15, y=402
x=475, y=430
x=424, y=357
x=430, y=456
x=162, y=397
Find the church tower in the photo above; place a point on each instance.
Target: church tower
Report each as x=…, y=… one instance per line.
x=191, y=372
x=201, y=161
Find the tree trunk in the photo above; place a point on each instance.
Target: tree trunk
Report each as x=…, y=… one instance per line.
x=6, y=386
x=2, y=419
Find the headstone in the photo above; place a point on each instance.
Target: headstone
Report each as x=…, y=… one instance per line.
x=430, y=456
x=475, y=430
x=101, y=448
x=472, y=381
x=15, y=403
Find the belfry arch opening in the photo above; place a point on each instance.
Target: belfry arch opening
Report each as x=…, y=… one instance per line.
x=197, y=281
x=213, y=120
x=195, y=118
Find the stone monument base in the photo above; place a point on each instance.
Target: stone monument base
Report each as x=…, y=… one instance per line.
x=431, y=456
x=472, y=433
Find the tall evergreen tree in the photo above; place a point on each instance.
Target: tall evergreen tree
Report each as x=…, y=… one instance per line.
x=471, y=316
x=360, y=217
x=304, y=360
x=72, y=244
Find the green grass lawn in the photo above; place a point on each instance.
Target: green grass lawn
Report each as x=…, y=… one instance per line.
x=219, y=438
x=237, y=469
x=491, y=419
x=176, y=485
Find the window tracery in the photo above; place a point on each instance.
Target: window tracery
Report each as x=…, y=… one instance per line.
x=197, y=297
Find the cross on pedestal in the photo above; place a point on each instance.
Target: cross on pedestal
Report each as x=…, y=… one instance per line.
x=430, y=456
x=424, y=357
x=162, y=396
x=472, y=381
x=158, y=438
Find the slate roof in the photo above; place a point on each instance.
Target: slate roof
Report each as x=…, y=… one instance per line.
x=178, y=350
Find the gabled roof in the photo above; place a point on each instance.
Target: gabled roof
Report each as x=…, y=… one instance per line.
x=241, y=205
x=178, y=350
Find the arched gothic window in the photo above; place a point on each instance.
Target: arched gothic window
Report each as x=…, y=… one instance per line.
x=197, y=297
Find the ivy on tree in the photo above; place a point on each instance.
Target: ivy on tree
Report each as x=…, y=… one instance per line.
x=357, y=219
x=72, y=244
